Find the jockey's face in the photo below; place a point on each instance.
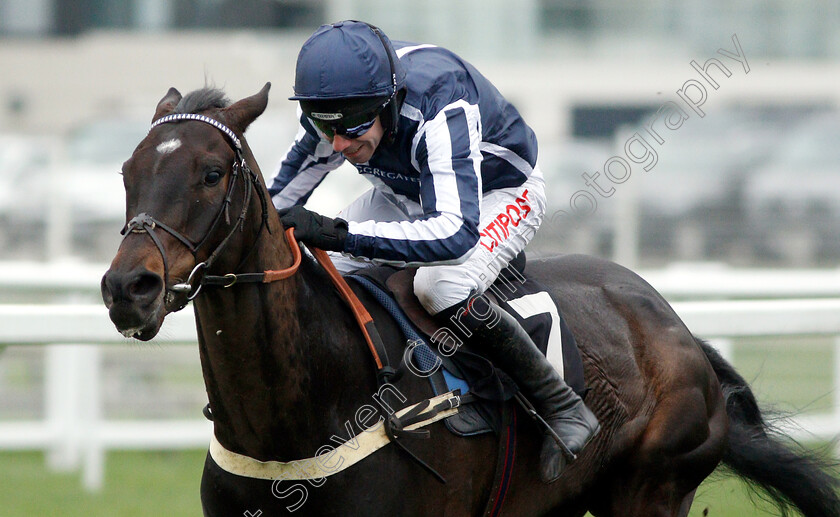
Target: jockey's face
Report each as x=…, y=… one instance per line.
x=359, y=150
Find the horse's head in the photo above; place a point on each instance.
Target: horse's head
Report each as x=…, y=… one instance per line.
x=188, y=190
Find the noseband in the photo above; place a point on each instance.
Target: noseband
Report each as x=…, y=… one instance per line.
x=145, y=223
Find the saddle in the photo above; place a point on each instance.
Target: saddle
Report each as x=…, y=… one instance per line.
x=466, y=368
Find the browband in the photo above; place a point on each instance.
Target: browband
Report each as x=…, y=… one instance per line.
x=203, y=118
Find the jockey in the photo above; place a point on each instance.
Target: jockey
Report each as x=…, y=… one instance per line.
x=456, y=191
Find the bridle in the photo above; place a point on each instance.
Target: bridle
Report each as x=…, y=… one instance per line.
x=145, y=223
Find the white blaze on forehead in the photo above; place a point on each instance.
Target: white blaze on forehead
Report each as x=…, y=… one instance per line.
x=168, y=146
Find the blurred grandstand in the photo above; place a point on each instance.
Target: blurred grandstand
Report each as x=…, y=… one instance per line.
x=86, y=74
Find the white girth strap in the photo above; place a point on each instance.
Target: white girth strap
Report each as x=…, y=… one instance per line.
x=349, y=453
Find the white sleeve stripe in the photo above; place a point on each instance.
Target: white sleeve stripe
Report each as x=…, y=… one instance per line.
x=412, y=113
x=509, y=156
x=405, y=50
x=436, y=228
x=439, y=150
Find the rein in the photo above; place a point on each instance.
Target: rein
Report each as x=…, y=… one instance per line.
x=145, y=223
x=266, y=277
x=402, y=423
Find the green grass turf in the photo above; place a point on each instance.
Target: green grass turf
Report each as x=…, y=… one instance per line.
x=167, y=484
x=137, y=484
x=793, y=374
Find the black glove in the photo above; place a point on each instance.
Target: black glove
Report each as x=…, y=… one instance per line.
x=315, y=229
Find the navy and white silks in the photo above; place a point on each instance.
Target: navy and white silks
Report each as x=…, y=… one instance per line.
x=448, y=190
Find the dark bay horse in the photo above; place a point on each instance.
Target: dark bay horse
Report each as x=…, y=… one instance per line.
x=286, y=368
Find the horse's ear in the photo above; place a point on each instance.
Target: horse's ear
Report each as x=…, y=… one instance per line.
x=167, y=103
x=240, y=114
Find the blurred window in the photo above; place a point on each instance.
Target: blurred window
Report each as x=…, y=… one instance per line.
x=815, y=146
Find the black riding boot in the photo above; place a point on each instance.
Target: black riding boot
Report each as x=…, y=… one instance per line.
x=509, y=347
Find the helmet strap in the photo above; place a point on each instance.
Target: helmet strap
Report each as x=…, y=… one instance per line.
x=391, y=116
x=392, y=112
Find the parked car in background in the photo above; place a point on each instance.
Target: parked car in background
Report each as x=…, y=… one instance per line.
x=22, y=157
x=804, y=170
x=567, y=228
x=700, y=162
x=794, y=200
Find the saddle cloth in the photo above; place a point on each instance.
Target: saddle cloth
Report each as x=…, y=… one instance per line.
x=467, y=369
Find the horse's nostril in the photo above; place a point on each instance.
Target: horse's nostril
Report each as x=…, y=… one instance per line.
x=130, y=287
x=105, y=289
x=146, y=285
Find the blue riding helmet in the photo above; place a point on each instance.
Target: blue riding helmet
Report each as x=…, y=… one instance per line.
x=346, y=60
x=346, y=70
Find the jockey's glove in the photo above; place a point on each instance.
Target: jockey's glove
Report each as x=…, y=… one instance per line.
x=314, y=229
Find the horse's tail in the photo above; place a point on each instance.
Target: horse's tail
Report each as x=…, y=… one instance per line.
x=789, y=474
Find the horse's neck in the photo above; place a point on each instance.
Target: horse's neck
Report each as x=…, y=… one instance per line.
x=266, y=352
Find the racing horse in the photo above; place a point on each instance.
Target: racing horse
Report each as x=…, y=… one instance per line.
x=287, y=369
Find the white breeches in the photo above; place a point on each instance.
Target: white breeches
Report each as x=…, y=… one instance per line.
x=509, y=219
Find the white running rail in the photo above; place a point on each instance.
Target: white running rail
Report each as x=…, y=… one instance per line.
x=74, y=430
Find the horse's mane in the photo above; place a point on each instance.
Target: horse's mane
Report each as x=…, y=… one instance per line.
x=201, y=100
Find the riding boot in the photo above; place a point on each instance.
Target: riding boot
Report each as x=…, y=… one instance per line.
x=510, y=347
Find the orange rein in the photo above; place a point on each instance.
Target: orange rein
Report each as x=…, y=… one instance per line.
x=361, y=314
x=280, y=274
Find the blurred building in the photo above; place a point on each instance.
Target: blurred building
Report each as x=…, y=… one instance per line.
x=586, y=75
x=73, y=17
x=777, y=28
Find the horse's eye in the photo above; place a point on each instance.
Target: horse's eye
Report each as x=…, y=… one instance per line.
x=212, y=177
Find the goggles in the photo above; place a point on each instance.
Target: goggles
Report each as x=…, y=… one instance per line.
x=337, y=122
x=359, y=125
